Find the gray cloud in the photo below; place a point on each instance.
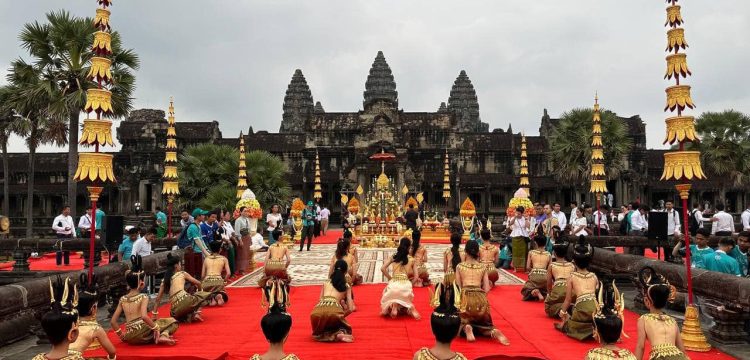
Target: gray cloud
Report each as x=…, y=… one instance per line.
x=232, y=61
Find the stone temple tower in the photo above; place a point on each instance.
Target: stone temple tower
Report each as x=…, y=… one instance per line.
x=380, y=85
x=298, y=104
x=464, y=105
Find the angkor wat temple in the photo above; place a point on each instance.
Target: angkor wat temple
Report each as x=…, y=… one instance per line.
x=484, y=163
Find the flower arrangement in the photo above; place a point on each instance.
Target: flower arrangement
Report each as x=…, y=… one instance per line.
x=468, y=209
x=248, y=201
x=520, y=198
x=353, y=206
x=297, y=207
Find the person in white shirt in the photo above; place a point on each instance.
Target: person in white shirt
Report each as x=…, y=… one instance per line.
x=84, y=223
x=324, y=215
x=639, y=222
x=562, y=220
x=573, y=212
x=578, y=226
x=63, y=224
x=600, y=221
x=723, y=223
x=673, y=220
x=745, y=217
x=142, y=246
x=273, y=219
x=257, y=244
x=520, y=228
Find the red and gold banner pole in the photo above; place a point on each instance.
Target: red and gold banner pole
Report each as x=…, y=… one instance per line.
x=681, y=165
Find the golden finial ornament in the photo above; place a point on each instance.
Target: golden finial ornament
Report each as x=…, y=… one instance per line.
x=170, y=184
x=317, y=189
x=598, y=173
x=446, y=177
x=242, y=173
x=524, y=171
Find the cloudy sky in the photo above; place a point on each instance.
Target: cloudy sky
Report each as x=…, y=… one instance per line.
x=231, y=61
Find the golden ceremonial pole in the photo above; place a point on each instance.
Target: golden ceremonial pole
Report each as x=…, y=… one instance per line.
x=317, y=191
x=242, y=175
x=446, y=181
x=96, y=167
x=170, y=185
x=598, y=174
x=681, y=165
x=524, y=172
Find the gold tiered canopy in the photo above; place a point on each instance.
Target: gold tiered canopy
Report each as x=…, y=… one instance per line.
x=170, y=186
x=598, y=174
x=679, y=165
x=242, y=175
x=524, y=172
x=94, y=166
x=317, y=191
x=446, y=177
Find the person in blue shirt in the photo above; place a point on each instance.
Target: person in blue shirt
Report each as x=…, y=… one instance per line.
x=308, y=225
x=719, y=261
x=126, y=248
x=209, y=228
x=99, y=219
x=697, y=251
x=739, y=252
x=161, y=223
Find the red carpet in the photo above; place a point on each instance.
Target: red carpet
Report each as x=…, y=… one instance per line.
x=233, y=332
x=47, y=263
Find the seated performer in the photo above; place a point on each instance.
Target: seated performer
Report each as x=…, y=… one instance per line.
x=608, y=325
x=656, y=326
x=419, y=253
x=581, y=286
x=557, y=279
x=60, y=323
x=91, y=335
x=398, y=295
x=277, y=262
x=445, y=323
x=488, y=256
x=343, y=252
x=185, y=307
x=451, y=258
x=535, y=287
x=328, y=318
x=471, y=277
x=213, y=280
x=139, y=328
x=276, y=323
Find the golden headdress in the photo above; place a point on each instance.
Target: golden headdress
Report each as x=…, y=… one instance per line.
x=649, y=278
x=275, y=295
x=610, y=303
x=60, y=297
x=446, y=299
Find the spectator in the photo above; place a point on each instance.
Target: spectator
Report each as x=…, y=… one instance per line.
x=579, y=225
x=324, y=215
x=540, y=214
x=696, y=219
x=126, y=248
x=185, y=219
x=573, y=211
x=600, y=221
x=142, y=246
x=308, y=225
x=722, y=222
x=194, y=232
x=562, y=220
x=697, y=250
x=745, y=217
x=411, y=218
x=99, y=219
x=161, y=222
x=673, y=220
x=209, y=228
x=720, y=261
x=228, y=239
x=588, y=213
x=84, y=223
x=257, y=244
x=273, y=220
x=63, y=224
x=639, y=221
x=740, y=251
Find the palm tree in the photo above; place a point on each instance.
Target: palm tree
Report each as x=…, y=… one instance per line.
x=725, y=146
x=570, y=146
x=208, y=177
x=61, y=48
x=32, y=96
x=8, y=125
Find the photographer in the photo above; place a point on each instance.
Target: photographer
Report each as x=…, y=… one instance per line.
x=273, y=219
x=308, y=225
